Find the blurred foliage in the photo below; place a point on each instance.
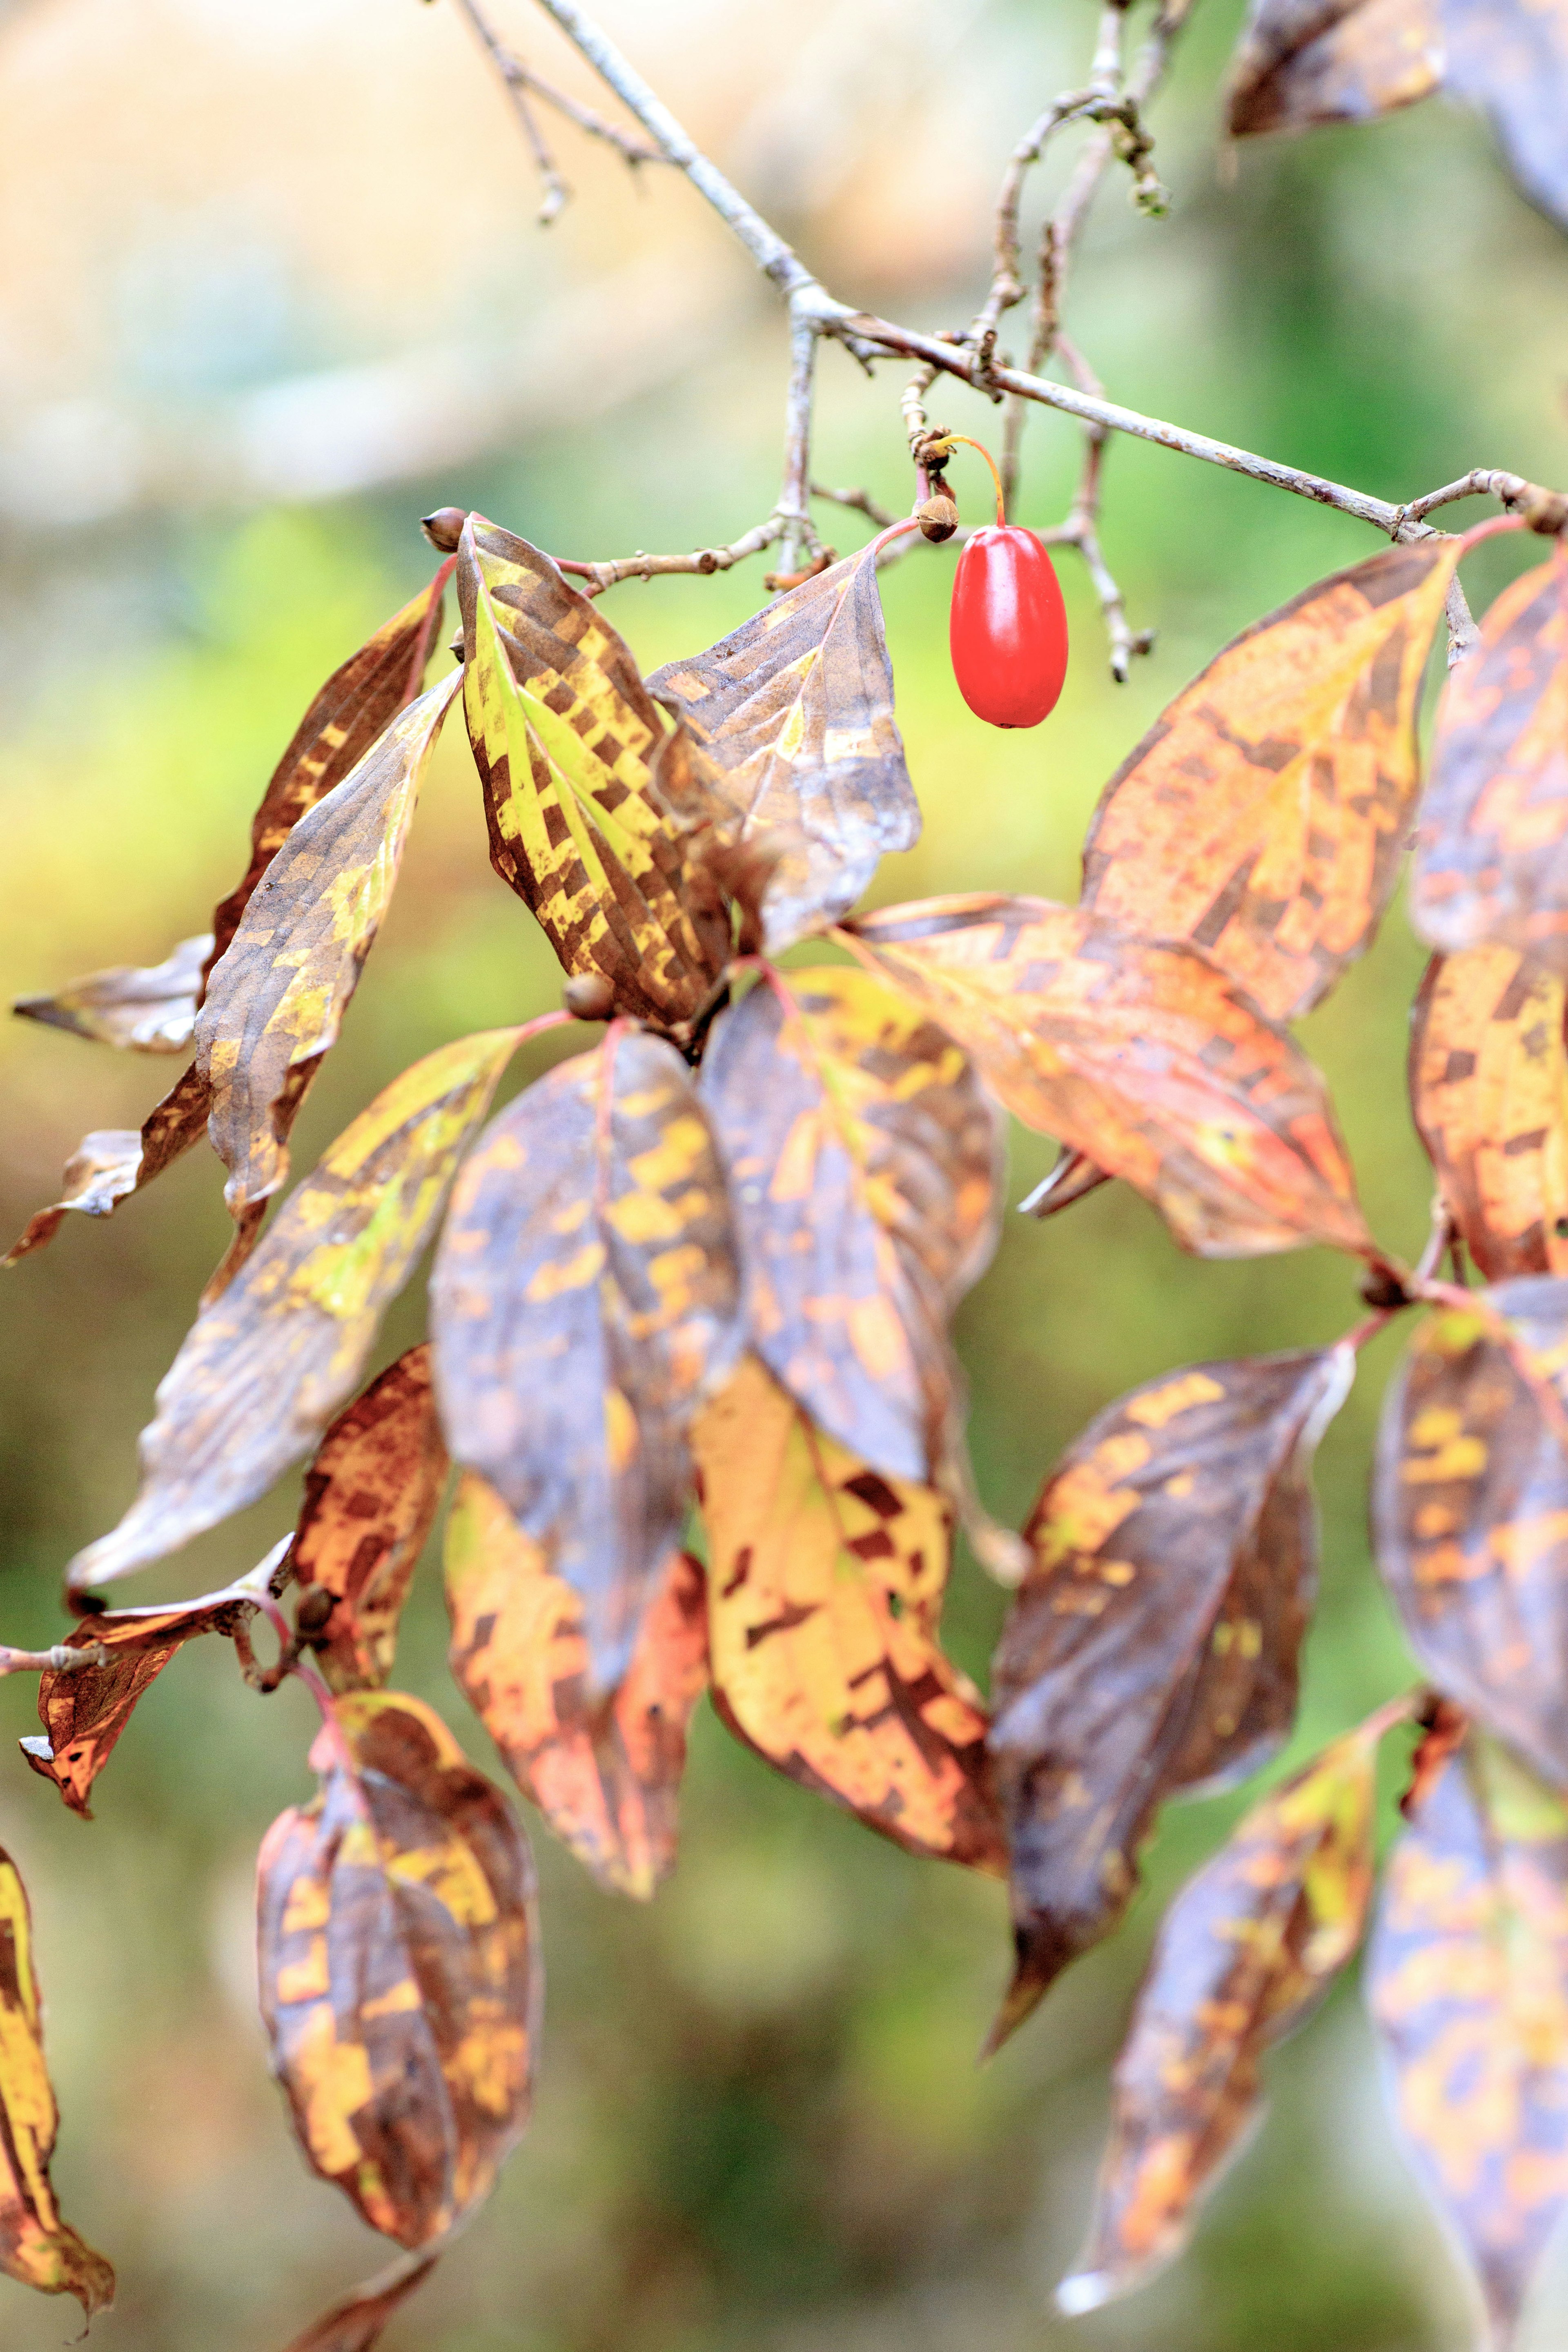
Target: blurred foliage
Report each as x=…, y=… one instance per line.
x=761, y=2121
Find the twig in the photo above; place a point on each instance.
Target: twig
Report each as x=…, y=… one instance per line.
x=522, y=84
x=640, y=566
x=60, y=1660
x=794, y=511
x=861, y=500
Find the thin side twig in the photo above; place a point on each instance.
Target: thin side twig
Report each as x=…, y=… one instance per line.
x=522, y=84
x=60, y=1660
x=703, y=559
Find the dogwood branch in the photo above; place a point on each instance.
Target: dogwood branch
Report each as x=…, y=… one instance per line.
x=522, y=84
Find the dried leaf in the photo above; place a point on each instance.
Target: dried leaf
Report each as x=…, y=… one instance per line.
x=1264, y=815
x=146, y=1009
x=35, y=2245
x=795, y=709
x=371, y=1497
x=1491, y=864
x=1469, y=1991
x=355, y=2324
x=864, y=1166
x=1152, y=1647
x=264, y=1369
x=1488, y=1087
x=352, y=709
x=113, y=1162
x=1302, y=61
x=1471, y=1513
x=1247, y=1950
x=1144, y=1056
x=585, y=1301
x=84, y=1709
x=1509, y=58
x=572, y=750
x=401, y=1983
x=824, y=1585
x=275, y=1000
x=606, y=1778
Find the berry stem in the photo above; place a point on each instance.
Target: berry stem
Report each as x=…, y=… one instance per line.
x=949, y=440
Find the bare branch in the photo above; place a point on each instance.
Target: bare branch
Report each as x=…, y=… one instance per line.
x=60, y=1660
x=521, y=82
x=704, y=559
x=861, y=500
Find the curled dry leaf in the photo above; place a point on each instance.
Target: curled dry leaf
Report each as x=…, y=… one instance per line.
x=795, y=709
x=1488, y=1087
x=825, y=1584
x=401, y=1982
x=371, y=1497
x=572, y=753
x=113, y=1162
x=865, y=1165
x=275, y=1000
x=355, y=2324
x=35, y=2245
x=1246, y=1951
x=1492, y=863
x=146, y=1009
x=1152, y=1647
x=1144, y=1056
x=1264, y=815
x=84, y=1709
x=264, y=1369
x=1302, y=61
x=1509, y=58
x=1468, y=1989
x=606, y=1775
x=586, y=1301
x=1470, y=1512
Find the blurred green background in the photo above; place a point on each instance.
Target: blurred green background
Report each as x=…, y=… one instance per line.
x=270, y=290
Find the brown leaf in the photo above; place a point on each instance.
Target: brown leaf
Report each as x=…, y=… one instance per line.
x=371, y=1497
x=1264, y=815
x=113, y=1162
x=1469, y=1991
x=864, y=1166
x=84, y=1709
x=1488, y=1088
x=586, y=1301
x=265, y=1367
x=1509, y=58
x=606, y=1778
x=826, y=1583
x=35, y=2245
x=1152, y=1646
x=275, y=1000
x=575, y=758
x=1492, y=863
x=795, y=709
x=1246, y=1950
x=1471, y=1513
x=147, y=1009
x=1302, y=61
x=352, y=707
x=1144, y=1056
x=355, y=2324
x=401, y=1983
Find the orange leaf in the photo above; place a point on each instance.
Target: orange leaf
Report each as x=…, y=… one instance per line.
x=1302, y=61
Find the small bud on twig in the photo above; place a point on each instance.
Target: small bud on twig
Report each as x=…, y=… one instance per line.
x=444, y=529
x=588, y=997
x=938, y=519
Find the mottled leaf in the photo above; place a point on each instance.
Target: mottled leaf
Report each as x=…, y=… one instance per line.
x=1264, y=815
x=275, y=1000
x=35, y=2245
x=865, y=1168
x=1470, y=1512
x=1488, y=1087
x=795, y=709
x=146, y=1008
x=1153, y=1644
x=1247, y=1950
x=1302, y=61
x=1509, y=58
x=113, y=1162
x=1143, y=1055
x=264, y=1369
x=355, y=2324
x=351, y=711
x=84, y=1709
x=585, y=1301
x=401, y=1982
x=572, y=751
x=606, y=1775
x=371, y=1497
x=825, y=1584
x=1469, y=1991
x=1492, y=863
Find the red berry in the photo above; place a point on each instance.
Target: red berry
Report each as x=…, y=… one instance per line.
x=1009, y=629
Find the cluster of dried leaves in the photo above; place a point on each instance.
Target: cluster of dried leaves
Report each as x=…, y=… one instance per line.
x=689, y=1353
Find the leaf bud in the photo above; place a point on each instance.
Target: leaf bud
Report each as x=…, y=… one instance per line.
x=313, y=1609
x=938, y=518
x=444, y=529
x=588, y=997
